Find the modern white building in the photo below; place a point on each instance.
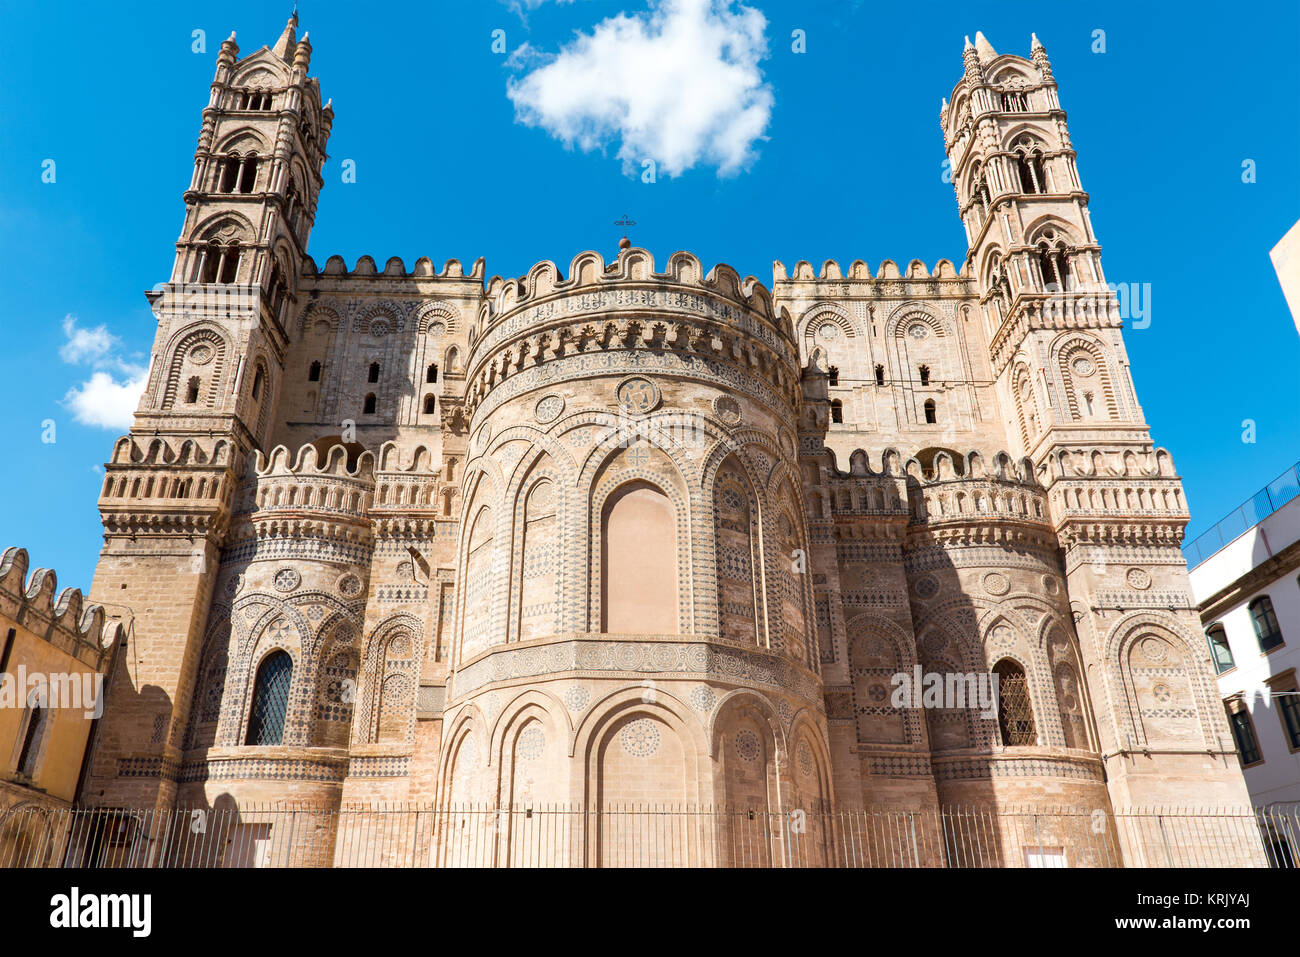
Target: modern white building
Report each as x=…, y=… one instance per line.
x=1286, y=262
x=1245, y=575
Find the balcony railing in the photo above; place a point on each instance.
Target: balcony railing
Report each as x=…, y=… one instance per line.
x=1245, y=517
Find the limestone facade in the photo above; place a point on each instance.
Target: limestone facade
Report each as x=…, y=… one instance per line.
x=635, y=532
x=55, y=649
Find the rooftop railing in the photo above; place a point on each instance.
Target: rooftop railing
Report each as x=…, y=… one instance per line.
x=1245, y=517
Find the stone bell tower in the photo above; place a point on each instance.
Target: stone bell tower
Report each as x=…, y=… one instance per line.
x=213, y=386
x=1053, y=325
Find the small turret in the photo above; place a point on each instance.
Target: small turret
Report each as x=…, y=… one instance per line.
x=1039, y=55
x=971, y=59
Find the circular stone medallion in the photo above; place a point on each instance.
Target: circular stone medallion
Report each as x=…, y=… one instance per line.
x=995, y=583
x=747, y=745
x=548, y=408
x=286, y=579
x=727, y=409
x=640, y=738
x=637, y=395
x=1138, y=578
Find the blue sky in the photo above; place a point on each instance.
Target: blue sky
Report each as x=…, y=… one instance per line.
x=847, y=166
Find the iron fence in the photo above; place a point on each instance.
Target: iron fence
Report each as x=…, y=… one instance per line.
x=646, y=836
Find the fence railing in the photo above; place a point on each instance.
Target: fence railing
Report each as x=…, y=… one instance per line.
x=647, y=836
x=1246, y=516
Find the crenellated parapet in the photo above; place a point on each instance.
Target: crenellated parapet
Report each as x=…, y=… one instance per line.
x=63, y=618
x=862, y=502
x=394, y=268
x=411, y=494
x=971, y=502
x=859, y=271
x=156, y=485
x=604, y=317
x=308, y=495
x=1123, y=496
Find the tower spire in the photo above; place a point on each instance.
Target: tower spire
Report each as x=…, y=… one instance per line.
x=288, y=41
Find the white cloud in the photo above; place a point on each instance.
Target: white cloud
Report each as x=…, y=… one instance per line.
x=86, y=345
x=102, y=400
x=521, y=8
x=680, y=85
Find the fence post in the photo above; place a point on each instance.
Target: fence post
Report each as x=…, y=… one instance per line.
x=911, y=824
x=1164, y=839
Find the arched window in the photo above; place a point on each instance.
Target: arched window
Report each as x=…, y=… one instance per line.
x=1015, y=711
x=979, y=194
x=228, y=173
x=277, y=290
x=38, y=718
x=1265, y=621
x=313, y=374
x=453, y=360
x=924, y=372
x=880, y=375
x=837, y=411
x=834, y=375
x=431, y=373
x=638, y=562
x=1220, y=653
x=1030, y=167
x=270, y=700
x=1054, y=264
x=428, y=404
x=229, y=264
x=931, y=413
x=258, y=378
x=248, y=174
x=374, y=372
x=192, y=390
x=218, y=263
x=369, y=407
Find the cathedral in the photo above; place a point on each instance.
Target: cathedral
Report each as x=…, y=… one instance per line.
x=630, y=532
